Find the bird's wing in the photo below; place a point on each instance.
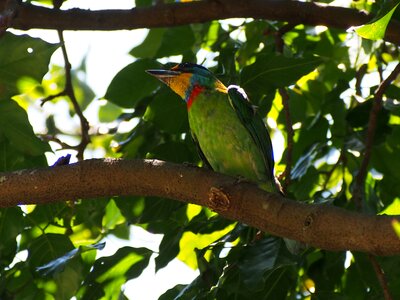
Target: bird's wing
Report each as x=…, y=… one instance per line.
x=254, y=124
x=200, y=152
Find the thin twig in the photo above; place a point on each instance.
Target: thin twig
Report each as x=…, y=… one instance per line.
x=69, y=90
x=372, y=123
x=290, y=138
x=359, y=77
x=380, y=274
x=52, y=97
x=286, y=108
x=330, y=172
x=52, y=138
x=279, y=43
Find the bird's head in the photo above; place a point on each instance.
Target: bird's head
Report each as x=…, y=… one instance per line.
x=189, y=80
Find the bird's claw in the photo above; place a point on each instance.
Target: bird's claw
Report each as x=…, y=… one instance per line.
x=241, y=179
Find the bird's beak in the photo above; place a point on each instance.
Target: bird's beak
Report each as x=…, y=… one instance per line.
x=163, y=75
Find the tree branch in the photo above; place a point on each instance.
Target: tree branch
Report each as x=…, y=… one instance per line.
x=380, y=274
x=279, y=44
x=164, y=15
x=372, y=123
x=7, y=13
x=69, y=90
x=322, y=226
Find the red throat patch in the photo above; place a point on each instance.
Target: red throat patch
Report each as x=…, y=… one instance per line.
x=193, y=95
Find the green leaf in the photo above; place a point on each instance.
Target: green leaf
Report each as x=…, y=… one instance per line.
x=132, y=83
x=140, y=3
x=313, y=130
x=376, y=30
x=20, y=283
x=274, y=71
x=52, y=246
x=11, y=225
x=109, y=112
x=392, y=209
x=176, y=40
x=113, y=216
x=169, y=247
x=22, y=56
x=168, y=112
x=48, y=247
x=268, y=254
x=15, y=126
x=360, y=280
x=172, y=151
x=162, y=42
x=111, y=272
x=304, y=162
x=172, y=293
x=57, y=265
x=149, y=47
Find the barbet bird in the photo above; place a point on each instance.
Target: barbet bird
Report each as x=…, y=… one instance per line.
x=231, y=137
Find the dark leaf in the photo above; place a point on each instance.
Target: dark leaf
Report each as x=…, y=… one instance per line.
x=168, y=112
x=59, y=263
x=14, y=124
x=304, y=162
x=22, y=56
x=276, y=71
x=132, y=83
x=11, y=225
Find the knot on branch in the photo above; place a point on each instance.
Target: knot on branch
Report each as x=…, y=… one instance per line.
x=218, y=199
x=308, y=221
x=6, y=16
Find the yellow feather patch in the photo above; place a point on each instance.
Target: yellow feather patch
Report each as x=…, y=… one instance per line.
x=179, y=84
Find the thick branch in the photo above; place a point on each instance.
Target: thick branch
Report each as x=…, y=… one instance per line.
x=322, y=226
x=164, y=15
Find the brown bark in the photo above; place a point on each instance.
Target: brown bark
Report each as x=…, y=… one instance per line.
x=321, y=226
x=164, y=15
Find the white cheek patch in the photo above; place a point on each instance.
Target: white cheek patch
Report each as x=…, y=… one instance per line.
x=240, y=90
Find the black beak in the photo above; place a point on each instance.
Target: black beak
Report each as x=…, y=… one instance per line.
x=160, y=74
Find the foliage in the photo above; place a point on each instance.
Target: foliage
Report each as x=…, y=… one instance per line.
x=376, y=30
x=330, y=77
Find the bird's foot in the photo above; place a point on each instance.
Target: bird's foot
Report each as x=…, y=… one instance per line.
x=190, y=164
x=241, y=179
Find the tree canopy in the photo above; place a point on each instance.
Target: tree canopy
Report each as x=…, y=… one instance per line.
x=324, y=77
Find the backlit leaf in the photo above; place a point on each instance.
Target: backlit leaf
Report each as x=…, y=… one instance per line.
x=376, y=30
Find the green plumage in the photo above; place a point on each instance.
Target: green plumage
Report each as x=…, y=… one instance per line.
x=230, y=138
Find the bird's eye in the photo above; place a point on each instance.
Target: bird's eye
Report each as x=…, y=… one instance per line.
x=188, y=67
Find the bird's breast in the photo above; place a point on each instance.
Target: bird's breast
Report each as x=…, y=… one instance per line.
x=223, y=139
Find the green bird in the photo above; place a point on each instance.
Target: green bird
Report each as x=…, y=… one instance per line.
x=232, y=138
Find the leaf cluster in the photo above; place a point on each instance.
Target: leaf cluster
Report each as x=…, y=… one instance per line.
x=330, y=76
